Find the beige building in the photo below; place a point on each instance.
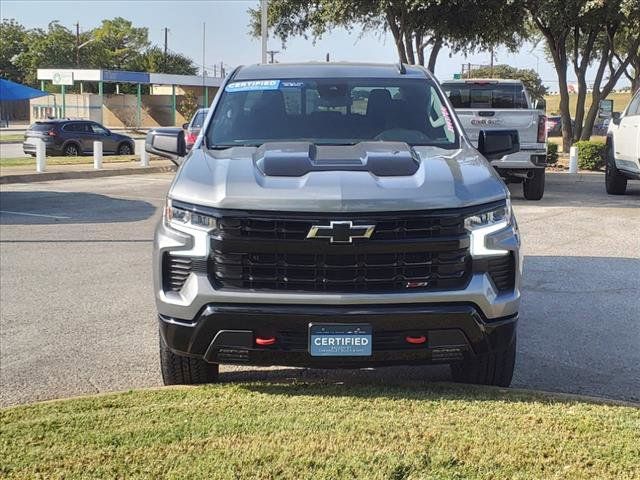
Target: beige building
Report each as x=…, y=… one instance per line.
x=161, y=108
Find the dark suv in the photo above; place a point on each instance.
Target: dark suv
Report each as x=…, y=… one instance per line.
x=75, y=137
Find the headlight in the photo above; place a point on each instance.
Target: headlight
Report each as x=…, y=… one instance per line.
x=179, y=216
x=484, y=224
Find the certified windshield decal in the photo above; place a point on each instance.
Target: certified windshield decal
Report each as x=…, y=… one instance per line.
x=252, y=85
x=447, y=118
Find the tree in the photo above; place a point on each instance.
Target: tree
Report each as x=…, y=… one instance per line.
x=615, y=54
x=529, y=77
x=51, y=48
x=121, y=42
x=462, y=25
x=188, y=105
x=12, y=45
x=632, y=72
x=583, y=32
x=154, y=60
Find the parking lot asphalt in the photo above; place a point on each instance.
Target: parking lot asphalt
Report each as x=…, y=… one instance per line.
x=78, y=317
x=11, y=150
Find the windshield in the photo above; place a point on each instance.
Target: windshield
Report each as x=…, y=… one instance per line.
x=332, y=112
x=485, y=95
x=198, y=119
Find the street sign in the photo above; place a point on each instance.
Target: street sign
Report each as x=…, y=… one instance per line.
x=62, y=78
x=457, y=76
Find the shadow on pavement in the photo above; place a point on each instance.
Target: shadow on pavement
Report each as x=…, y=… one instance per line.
x=564, y=190
x=51, y=208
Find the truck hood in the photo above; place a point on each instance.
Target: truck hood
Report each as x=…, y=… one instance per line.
x=235, y=178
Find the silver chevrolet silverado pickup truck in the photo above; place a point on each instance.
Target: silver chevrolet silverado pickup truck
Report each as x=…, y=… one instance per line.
x=505, y=104
x=336, y=216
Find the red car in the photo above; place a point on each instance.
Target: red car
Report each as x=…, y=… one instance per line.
x=193, y=127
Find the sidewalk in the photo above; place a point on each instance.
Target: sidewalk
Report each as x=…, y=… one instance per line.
x=25, y=174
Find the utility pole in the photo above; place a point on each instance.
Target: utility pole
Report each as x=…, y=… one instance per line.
x=271, y=54
x=164, y=59
x=263, y=28
x=78, y=44
x=204, y=72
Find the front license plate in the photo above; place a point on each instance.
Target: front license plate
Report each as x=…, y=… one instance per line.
x=340, y=339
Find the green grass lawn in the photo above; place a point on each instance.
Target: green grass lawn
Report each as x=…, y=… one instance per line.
x=331, y=431
x=620, y=101
x=26, y=161
x=11, y=137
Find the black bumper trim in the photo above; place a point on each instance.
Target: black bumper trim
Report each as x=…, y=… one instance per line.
x=224, y=333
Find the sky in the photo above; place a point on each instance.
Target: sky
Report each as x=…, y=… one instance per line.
x=228, y=39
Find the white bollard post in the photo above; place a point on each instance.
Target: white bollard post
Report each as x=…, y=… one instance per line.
x=144, y=155
x=573, y=160
x=97, y=155
x=41, y=157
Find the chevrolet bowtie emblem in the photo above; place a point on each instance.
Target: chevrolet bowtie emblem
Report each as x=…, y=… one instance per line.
x=341, y=232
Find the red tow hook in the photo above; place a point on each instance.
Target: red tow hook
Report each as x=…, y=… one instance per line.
x=265, y=341
x=415, y=340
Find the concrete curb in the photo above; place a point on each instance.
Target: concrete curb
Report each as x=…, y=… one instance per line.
x=540, y=394
x=48, y=176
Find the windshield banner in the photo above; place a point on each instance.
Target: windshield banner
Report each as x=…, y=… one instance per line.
x=252, y=85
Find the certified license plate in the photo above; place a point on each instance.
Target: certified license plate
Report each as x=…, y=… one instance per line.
x=340, y=340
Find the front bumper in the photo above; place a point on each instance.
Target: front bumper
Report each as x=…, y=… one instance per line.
x=225, y=333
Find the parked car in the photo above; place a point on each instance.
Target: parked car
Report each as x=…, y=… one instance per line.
x=193, y=127
x=554, y=126
x=316, y=231
x=505, y=104
x=75, y=137
x=623, y=148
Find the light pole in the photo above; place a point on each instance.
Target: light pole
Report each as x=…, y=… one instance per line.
x=263, y=28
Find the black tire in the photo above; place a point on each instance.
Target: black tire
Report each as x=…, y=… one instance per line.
x=125, y=149
x=179, y=370
x=495, y=368
x=615, y=183
x=533, y=188
x=71, y=150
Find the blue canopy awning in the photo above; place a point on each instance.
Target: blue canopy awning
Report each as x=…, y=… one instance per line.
x=14, y=91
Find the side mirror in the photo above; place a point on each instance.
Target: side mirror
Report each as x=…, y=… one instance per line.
x=167, y=142
x=185, y=126
x=541, y=105
x=495, y=144
x=616, y=117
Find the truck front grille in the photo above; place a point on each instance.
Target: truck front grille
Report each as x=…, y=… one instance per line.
x=407, y=252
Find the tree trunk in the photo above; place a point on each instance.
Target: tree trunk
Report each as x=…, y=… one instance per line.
x=559, y=55
x=433, y=55
x=608, y=56
x=580, y=65
x=557, y=44
x=397, y=36
x=419, y=48
x=409, y=46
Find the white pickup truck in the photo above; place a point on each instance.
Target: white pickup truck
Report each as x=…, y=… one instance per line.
x=505, y=104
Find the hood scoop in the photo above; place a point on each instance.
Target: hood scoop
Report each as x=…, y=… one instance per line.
x=295, y=159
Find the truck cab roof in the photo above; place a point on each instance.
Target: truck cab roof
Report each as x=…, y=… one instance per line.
x=328, y=70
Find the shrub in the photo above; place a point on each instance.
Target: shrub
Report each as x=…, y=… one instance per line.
x=552, y=153
x=591, y=155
